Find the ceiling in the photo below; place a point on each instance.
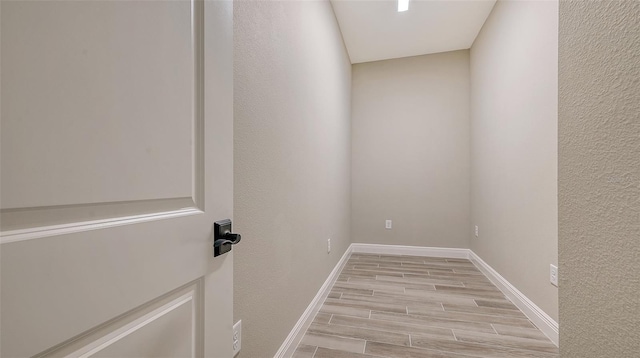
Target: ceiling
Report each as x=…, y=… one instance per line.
x=374, y=30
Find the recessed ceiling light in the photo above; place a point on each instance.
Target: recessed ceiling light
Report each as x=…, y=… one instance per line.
x=403, y=5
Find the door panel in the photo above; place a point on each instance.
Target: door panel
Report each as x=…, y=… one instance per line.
x=168, y=327
x=168, y=333
x=116, y=160
x=118, y=98
x=99, y=72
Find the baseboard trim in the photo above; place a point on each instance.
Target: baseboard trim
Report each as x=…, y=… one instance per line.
x=452, y=253
x=546, y=324
x=290, y=344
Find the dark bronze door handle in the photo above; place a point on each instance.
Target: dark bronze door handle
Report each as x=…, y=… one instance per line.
x=223, y=238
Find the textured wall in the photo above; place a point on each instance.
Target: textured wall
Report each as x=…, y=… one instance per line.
x=599, y=178
x=292, y=81
x=514, y=87
x=410, y=150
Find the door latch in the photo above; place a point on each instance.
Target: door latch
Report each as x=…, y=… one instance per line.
x=223, y=238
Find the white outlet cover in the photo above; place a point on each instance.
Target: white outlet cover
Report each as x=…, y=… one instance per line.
x=328, y=246
x=388, y=224
x=553, y=275
x=237, y=337
x=476, y=230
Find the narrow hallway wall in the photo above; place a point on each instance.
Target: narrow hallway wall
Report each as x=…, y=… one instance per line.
x=410, y=150
x=514, y=155
x=292, y=79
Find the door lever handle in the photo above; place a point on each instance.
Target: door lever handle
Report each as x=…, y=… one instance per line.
x=223, y=238
x=228, y=238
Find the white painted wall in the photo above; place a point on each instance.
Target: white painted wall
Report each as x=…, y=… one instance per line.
x=514, y=106
x=410, y=150
x=599, y=179
x=292, y=98
x=437, y=143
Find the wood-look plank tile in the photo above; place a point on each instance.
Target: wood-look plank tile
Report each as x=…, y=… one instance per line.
x=444, y=296
x=334, y=295
x=519, y=332
x=351, y=270
x=467, y=291
x=471, y=317
x=480, y=286
x=427, y=258
x=474, y=349
x=394, y=301
x=469, y=270
x=422, y=280
x=369, y=286
x=433, y=321
x=369, y=273
x=401, y=339
x=368, y=305
x=482, y=310
x=372, y=281
x=354, y=291
x=381, y=261
x=400, y=258
x=414, y=265
x=455, y=267
x=434, y=259
x=506, y=341
x=458, y=277
x=466, y=278
x=433, y=267
x=393, y=326
x=390, y=350
x=362, y=263
x=396, y=264
x=403, y=270
x=360, y=266
x=496, y=304
x=427, y=296
x=322, y=317
x=345, y=311
x=333, y=342
x=414, y=268
x=456, y=264
x=463, y=262
x=332, y=353
x=304, y=351
x=381, y=304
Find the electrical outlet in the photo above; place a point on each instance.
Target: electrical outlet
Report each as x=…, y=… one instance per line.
x=237, y=337
x=328, y=246
x=553, y=275
x=476, y=230
x=387, y=224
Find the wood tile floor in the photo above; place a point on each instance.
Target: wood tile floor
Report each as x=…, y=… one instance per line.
x=409, y=306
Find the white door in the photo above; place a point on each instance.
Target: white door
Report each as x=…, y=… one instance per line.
x=116, y=159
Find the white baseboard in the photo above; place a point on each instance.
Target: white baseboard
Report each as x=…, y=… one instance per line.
x=290, y=344
x=546, y=324
x=411, y=250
